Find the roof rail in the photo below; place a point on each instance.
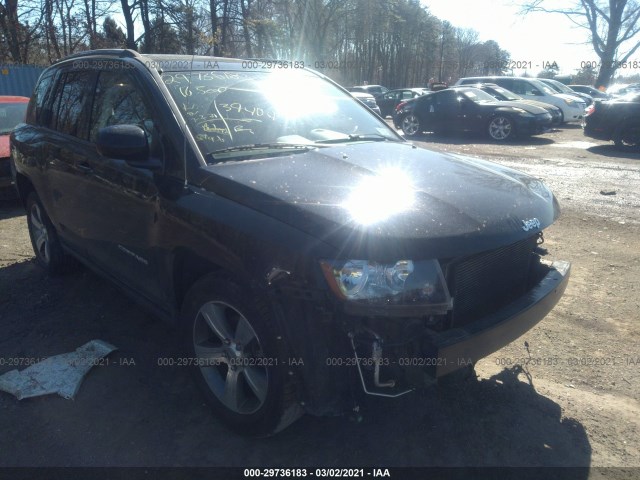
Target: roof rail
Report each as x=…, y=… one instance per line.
x=120, y=52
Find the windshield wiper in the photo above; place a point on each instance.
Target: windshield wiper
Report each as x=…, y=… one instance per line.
x=260, y=148
x=368, y=137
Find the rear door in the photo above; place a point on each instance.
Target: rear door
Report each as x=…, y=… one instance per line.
x=66, y=153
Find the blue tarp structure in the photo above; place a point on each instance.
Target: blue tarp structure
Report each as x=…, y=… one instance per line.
x=18, y=79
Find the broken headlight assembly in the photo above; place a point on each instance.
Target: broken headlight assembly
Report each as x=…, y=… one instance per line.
x=403, y=283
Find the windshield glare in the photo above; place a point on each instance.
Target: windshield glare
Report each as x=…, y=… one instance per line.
x=544, y=87
x=232, y=109
x=478, y=95
x=506, y=93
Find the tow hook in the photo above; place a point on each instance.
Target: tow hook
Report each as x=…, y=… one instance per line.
x=377, y=356
x=377, y=359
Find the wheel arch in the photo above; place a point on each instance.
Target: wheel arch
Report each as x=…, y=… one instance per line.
x=187, y=267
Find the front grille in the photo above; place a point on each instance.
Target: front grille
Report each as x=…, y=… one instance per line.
x=483, y=283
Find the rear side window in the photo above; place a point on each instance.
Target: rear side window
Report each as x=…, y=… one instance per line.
x=509, y=84
x=39, y=112
x=447, y=98
x=69, y=103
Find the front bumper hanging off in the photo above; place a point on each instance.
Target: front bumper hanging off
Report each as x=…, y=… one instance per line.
x=463, y=346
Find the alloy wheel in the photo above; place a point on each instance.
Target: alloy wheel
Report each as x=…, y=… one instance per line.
x=230, y=357
x=39, y=233
x=500, y=128
x=410, y=125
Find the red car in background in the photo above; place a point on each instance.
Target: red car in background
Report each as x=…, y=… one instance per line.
x=12, y=112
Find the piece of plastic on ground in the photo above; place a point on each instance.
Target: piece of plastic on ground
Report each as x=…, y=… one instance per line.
x=61, y=374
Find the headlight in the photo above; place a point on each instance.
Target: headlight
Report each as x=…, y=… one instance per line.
x=568, y=101
x=404, y=282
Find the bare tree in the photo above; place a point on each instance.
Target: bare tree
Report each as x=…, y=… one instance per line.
x=18, y=29
x=613, y=27
x=128, y=12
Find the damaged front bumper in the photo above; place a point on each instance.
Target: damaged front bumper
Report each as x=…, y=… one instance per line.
x=387, y=367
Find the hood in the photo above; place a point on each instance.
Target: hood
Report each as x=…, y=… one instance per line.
x=4, y=146
x=546, y=106
x=531, y=108
x=380, y=198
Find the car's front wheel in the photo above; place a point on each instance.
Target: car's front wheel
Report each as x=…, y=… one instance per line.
x=500, y=128
x=238, y=357
x=44, y=239
x=627, y=137
x=410, y=125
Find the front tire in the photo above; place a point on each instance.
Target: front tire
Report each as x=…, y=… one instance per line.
x=239, y=357
x=44, y=239
x=500, y=128
x=410, y=125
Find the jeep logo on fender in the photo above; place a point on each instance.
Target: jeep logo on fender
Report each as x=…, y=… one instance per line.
x=530, y=224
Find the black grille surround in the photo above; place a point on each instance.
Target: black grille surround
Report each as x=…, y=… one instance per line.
x=482, y=283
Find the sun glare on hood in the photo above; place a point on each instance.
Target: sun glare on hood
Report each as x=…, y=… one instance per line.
x=379, y=197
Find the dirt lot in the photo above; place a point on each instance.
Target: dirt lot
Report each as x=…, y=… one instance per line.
x=565, y=394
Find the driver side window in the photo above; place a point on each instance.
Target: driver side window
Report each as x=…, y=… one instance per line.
x=118, y=102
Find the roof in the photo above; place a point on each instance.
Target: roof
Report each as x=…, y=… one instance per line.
x=170, y=62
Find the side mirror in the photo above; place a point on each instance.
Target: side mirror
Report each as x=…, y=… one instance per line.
x=125, y=142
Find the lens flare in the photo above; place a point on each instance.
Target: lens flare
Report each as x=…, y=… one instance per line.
x=381, y=196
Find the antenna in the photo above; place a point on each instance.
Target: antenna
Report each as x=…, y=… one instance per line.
x=186, y=128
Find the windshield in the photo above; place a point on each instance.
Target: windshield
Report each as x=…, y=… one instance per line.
x=11, y=114
x=508, y=94
x=544, y=87
x=231, y=110
x=558, y=87
x=477, y=95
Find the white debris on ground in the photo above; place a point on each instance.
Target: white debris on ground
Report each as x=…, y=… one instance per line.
x=61, y=374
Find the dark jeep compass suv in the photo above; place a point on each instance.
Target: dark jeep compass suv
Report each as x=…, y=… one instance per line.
x=306, y=253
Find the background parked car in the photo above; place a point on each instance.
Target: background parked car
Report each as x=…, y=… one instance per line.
x=375, y=90
x=368, y=100
x=572, y=107
x=505, y=95
x=562, y=88
x=469, y=109
x=594, y=92
x=617, y=119
x=622, y=89
x=389, y=100
x=12, y=111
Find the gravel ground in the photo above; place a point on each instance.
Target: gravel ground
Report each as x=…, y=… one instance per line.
x=564, y=394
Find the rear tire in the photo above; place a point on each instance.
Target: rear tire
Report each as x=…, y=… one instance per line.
x=44, y=239
x=410, y=125
x=239, y=357
x=627, y=137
